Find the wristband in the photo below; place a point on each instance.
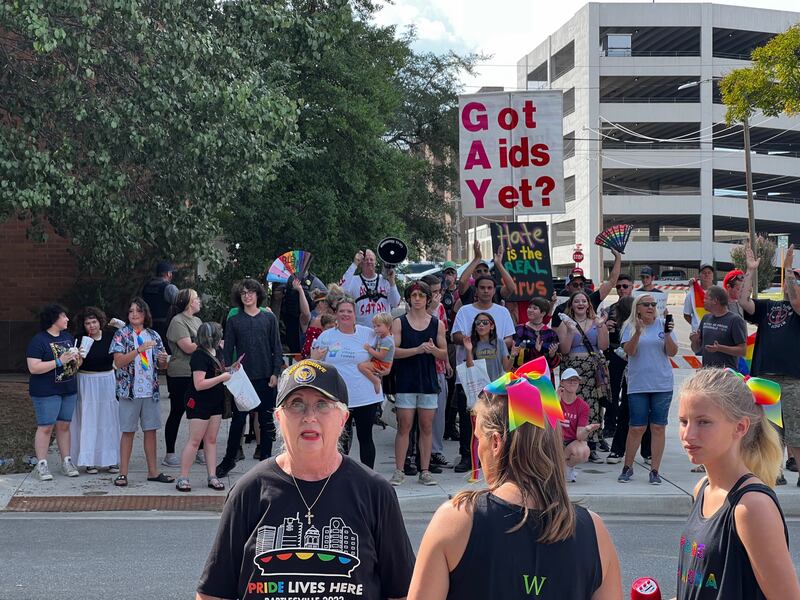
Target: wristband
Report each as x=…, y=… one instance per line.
x=59, y=363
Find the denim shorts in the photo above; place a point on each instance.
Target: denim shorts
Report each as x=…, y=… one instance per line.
x=133, y=411
x=50, y=409
x=429, y=401
x=649, y=407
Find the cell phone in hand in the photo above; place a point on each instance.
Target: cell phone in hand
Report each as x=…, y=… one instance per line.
x=667, y=323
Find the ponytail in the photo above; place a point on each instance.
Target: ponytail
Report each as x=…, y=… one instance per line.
x=762, y=451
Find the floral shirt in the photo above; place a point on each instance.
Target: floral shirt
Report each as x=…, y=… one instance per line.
x=125, y=341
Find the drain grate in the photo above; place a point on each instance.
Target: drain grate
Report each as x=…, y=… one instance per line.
x=114, y=503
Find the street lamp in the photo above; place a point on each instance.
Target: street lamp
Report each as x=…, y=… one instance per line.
x=748, y=179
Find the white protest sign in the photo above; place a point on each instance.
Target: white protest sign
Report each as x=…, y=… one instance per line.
x=511, y=153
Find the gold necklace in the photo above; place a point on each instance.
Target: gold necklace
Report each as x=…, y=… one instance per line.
x=309, y=515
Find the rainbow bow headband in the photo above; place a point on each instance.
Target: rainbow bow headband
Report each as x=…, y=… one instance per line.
x=531, y=395
x=766, y=393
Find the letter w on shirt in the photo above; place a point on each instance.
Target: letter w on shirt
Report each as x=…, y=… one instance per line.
x=534, y=584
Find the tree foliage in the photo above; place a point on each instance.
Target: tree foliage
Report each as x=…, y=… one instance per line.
x=771, y=84
x=765, y=250
x=144, y=130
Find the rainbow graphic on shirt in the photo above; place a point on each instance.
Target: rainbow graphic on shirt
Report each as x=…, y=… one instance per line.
x=142, y=355
x=746, y=361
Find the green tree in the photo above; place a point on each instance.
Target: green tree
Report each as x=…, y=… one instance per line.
x=132, y=126
x=379, y=123
x=771, y=84
x=765, y=250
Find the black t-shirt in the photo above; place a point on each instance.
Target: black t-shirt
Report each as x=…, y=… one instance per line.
x=61, y=381
x=555, y=321
x=98, y=358
x=213, y=396
x=354, y=548
x=776, y=343
x=729, y=330
x=713, y=563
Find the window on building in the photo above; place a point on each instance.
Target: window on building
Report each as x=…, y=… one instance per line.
x=569, y=101
x=617, y=44
x=562, y=61
x=569, y=188
x=564, y=233
x=569, y=145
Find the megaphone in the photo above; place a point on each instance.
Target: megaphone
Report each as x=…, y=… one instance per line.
x=392, y=251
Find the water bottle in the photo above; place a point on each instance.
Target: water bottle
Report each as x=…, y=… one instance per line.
x=645, y=588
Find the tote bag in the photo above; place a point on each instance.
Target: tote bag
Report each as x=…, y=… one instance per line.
x=243, y=392
x=473, y=379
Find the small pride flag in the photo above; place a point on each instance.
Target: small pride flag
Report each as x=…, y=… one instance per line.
x=699, y=300
x=746, y=361
x=142, y=355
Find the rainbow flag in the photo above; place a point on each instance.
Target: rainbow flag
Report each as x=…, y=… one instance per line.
x=699, y=300
x=142, y=355
x=746, y=361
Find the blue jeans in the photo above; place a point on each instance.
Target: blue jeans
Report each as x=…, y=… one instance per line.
x=50, y=409
x=649, y=407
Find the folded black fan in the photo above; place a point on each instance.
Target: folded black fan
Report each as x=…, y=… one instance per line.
x=615, y=237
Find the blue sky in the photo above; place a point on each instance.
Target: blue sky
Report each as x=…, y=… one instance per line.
x=506, y=29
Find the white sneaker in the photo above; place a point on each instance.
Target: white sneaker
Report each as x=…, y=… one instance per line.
x=397, y=478
x=42, y=471
x=68, y=467
x=572, y=475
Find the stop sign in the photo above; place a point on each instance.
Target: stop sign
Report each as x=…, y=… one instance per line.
x=577, y=256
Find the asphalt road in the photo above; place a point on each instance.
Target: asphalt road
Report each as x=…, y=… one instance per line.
x=83, y=557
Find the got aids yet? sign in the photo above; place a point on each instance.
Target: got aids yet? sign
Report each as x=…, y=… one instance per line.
x=511, y=153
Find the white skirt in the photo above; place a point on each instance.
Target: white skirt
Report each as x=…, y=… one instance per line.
x=94, y=430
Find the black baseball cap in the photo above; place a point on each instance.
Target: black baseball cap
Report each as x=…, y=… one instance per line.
x=164, y=267
x=313, y=374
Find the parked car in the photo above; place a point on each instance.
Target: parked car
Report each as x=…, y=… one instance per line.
x=414, y=271
x=674, y=275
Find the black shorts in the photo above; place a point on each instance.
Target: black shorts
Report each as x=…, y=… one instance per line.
x=202, y=409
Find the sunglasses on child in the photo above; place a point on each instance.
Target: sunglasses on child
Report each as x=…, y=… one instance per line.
x=483, y=322
x=623, y=286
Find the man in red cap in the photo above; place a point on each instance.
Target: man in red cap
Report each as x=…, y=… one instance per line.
x=733, y=285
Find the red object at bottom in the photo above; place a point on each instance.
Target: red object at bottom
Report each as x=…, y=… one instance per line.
x=645, y=588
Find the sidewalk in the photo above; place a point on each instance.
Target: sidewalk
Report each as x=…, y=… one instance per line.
x=597, y=486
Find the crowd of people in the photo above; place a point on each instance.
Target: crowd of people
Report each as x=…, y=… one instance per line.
x=96, y=389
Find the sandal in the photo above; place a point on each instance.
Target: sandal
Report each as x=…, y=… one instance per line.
x=699, y=469
x=215, y=484
x=92, y=470
x=183, y=485
x=162, y=478
x=113, y=469
x=121, y=480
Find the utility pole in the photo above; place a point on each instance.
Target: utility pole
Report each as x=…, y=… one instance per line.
x=751, y=214
x=600, y=270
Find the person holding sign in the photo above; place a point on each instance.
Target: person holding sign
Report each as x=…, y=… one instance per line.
x=480, y=268
x=462, y=328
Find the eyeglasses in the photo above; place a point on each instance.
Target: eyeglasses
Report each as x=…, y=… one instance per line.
x=483, y=322
x=623, y=286
x=650, y=304
x=300, y=408
x=247, y=293
x=576, y=283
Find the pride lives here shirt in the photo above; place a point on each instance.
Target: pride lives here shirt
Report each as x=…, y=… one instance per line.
x=351, y=544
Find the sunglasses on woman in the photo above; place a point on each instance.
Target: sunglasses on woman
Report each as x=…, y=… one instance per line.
x=483, y=322
x=646, y=304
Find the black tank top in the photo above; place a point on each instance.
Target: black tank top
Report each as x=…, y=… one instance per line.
x=512, y=566
x=416, y=374
x=713, y=562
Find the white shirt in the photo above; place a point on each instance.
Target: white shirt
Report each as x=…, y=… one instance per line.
x=366, y=308
x=345, y=351
x=465, y=316
x=143, y=378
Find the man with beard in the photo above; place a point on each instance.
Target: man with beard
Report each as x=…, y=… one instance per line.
x=373, y=293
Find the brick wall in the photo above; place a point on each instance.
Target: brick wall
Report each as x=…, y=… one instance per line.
x=31, y=275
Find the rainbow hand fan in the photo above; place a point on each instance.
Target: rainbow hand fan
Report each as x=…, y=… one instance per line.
x=615, y=237
x=294, y=262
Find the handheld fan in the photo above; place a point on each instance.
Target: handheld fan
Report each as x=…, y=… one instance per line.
x=294, y=262
x=615, y=237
